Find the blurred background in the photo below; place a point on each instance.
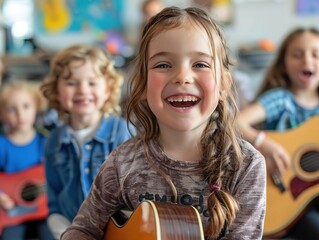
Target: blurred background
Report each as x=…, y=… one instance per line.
x=33, y=30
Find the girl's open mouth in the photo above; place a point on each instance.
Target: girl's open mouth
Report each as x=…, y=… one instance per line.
x=183, y=101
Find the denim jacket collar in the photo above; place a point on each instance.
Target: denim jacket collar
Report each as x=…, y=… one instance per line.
x=105, y=133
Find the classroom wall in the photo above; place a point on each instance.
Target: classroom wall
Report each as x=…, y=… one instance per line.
x=271, y=19
x=253, y=19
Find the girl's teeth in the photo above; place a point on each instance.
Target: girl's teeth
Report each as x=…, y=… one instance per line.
x=182, y=99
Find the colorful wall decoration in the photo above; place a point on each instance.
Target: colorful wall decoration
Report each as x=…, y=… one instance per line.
x=307, y=7
x=220, y=10
x=60, y=16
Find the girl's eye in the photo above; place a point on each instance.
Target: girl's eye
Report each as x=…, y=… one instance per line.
x=26, y=106
x=297, y=55
x=162, y=65
x=11, y=110
x=201, y=65
x=70, y=83
x=93, y=83
x=316, y=54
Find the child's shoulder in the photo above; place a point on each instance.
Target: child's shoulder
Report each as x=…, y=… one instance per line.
x=42, y=132
x=131, y=144
x=251, y=156
x=128, y=149
x=114, y=119
x=56, y=134
x=277, y=92
x=116, y=126
x=3, y=138
x=41, y=136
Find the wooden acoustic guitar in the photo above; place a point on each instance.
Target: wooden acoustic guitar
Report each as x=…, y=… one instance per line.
x=288, y=198
x=158, y=221
x=27, y=189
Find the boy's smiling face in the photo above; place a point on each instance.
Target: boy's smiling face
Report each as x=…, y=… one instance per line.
x=182, y=90
x=84, y=92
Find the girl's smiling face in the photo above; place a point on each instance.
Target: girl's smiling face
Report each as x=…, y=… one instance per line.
x=302, y=61
x=182, y=86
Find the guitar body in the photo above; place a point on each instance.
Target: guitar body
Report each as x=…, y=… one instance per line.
x=26, y=189
x=158, y=221
x=301, y=182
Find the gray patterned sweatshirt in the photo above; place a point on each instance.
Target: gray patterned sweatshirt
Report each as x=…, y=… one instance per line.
x=126, y=178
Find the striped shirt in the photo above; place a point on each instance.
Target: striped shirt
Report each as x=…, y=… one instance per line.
x=282, y=110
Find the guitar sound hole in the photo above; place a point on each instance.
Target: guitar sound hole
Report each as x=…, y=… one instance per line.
x=309, y=161
x=29, y=192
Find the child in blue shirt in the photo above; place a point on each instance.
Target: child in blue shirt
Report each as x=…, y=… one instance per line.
x=85, y=89
x=21, y=148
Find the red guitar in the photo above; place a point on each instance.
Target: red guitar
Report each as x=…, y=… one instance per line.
x=26, y=188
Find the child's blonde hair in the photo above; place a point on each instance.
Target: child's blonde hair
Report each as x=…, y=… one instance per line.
x=61, y=63
x=29, y=86
x=220, y=141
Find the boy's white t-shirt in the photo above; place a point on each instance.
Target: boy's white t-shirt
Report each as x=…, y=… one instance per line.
x=84, y=134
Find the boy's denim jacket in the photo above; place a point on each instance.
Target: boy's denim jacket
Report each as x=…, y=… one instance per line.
x=70, y=170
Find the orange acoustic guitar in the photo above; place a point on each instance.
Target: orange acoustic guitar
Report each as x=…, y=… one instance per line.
x=158, y=221
x=27, y=189
x=288, y=198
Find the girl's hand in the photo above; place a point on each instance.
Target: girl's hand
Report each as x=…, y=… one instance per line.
x=277, y=159
x=6, y=202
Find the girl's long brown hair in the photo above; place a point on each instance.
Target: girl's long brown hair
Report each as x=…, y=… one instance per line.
x=220, y=141
x=276, y=75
